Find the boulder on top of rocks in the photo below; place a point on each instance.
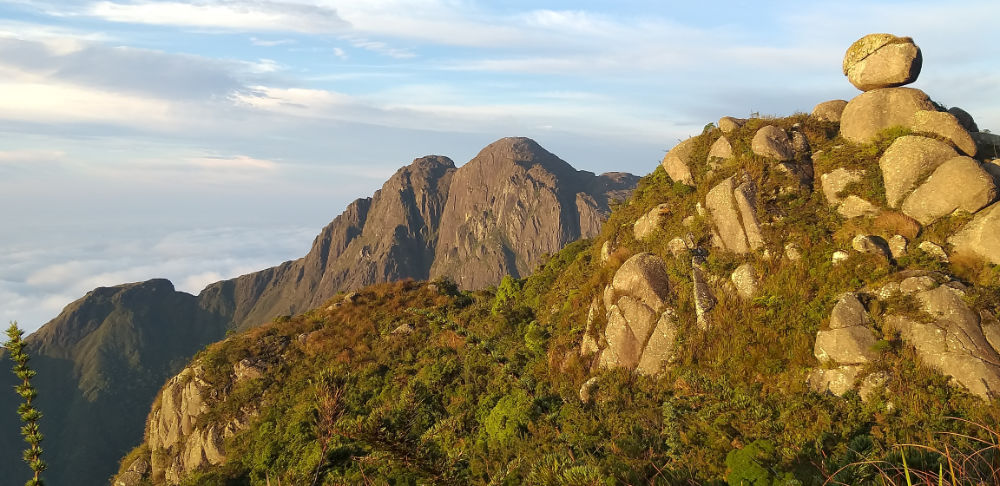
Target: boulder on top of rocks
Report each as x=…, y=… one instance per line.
x=721, y=149
x=873, y=111
x=981, y=236
x=938, y=197
x=944, y=125
x=772, y=142
x=882, y=61
x=829, y=110
x=677, y=162
x=729, y=124
x=908, y=161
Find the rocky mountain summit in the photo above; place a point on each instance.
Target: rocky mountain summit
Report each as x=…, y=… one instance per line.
x=926, y=174
x=782, y=301
x=102, y=360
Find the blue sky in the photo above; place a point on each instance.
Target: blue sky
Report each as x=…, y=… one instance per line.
x=197, y=140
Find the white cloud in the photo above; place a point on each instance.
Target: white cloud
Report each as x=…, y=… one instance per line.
x=256, y=16
x=272, y=43
x=31, y=156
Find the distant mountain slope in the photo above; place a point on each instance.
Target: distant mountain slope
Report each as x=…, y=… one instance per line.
x=102, y=360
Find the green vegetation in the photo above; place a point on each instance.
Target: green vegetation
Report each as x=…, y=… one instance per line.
x=29, y=415
x=485, y=389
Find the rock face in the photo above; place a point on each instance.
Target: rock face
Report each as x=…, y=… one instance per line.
x=732, y=209
x=873, y=111
x=107, y=353
x=641, y=330
x=835, y=181
x=953, y=342
x=944, y=125
x=980, y=237
x=909, y=160
x=677, y=162
x=937, y=197
x=829, y=110
x=882, y=61
x=513, y=203
x=772, y=142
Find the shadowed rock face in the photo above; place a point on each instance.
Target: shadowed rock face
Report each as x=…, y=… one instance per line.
x=103, y=359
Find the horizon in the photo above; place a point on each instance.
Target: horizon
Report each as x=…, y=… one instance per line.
x=198, y=141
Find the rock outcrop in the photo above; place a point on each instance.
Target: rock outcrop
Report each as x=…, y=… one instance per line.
x=871, y=112
x=909, y=160
x=641, y=329
x=772, y=142
x=981, y=236
x=829, y=110
x=937, y=197
x=677, y=162
x=732, y=209
x=952, y=341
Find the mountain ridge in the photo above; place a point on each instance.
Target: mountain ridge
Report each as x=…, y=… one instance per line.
x=114, y=344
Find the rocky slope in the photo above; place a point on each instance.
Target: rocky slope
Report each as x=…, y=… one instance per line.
x=782, y=301
x=102, y=360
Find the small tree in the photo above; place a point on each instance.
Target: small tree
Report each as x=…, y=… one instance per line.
x=29, y=415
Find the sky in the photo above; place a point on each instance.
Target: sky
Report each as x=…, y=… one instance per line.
x=200, y=140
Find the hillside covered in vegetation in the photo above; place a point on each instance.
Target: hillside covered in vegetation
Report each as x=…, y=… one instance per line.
x=782, y=301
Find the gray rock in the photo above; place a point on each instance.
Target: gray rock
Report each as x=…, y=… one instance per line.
x=987, y=144
x=772, y=142
x=953, y=343
x=836, y=381
x=678, y=247
x=848, y=341
x=704, y=301
x=933, y=250
x=677, y=162
x=937, y=197
x=882, y=61
x=829, y=110
x=991, y=328
x=624, y=348
x=643, y=276
x=404, y=329
x=855, y=207
x=606, y=252
x=128, y=478
x=648, y=223
x=871, y=384
x=917, y=284
x=851, y=345
x=945, y=125
x=839, y=256
x=734, y=216
x=848, y=312
x=721, y=149
x=835, y=181
x=873, y=111
x=800, y=144
x=745, y=280
x=871, y=244
x=981, y=236
x=909, y=160
x=659, y=349
x=588, y=346
x=897, y=246
x=729, y=124
x=587, y=390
